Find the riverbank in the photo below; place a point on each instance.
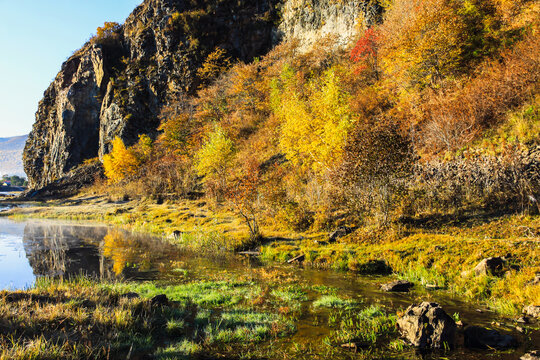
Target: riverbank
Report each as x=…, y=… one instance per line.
x=435, y=255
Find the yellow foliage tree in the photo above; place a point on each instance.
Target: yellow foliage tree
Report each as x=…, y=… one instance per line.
x=314, y=125
x=215, y=155
x=108, y=33
x=124, y=162
x=216, y=63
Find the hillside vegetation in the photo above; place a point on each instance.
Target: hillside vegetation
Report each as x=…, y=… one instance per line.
x=415, y=120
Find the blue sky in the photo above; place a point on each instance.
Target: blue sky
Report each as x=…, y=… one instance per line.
x=36, y=37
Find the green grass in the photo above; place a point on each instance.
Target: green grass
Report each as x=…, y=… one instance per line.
x=205, y=293
x=369, y=325
x=290, y=294
x=333, y=302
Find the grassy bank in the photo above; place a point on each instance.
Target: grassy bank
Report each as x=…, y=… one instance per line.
x=201, y=225
x=235, y=319
x=82, y=319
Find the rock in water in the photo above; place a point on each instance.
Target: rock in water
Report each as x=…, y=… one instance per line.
x=532, y=355
x=427, y=325
x=490, y=266
x=397, y=286
x=481, y=338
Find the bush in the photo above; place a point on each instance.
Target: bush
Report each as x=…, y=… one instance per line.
x=108, y=34
x=377, y=162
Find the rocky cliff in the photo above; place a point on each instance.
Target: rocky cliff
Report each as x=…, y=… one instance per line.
x=117, y=84
x=310, y=21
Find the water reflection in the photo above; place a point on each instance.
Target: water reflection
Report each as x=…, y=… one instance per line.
x=60, y=250
x=63, y=250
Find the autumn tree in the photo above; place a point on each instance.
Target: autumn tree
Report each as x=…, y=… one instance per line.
x=123, y=162
x=213, y=160
x=243, y=194
x=377, y=159
x=177, y=130
x=216, y=63
x=108, y=33
x=425, y=42
x=365, y=52
x=314, y=125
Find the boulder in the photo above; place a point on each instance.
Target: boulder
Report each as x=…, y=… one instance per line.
x=397, y=286
x=339, y=233
x=481, y=338
x=531, y=355
x=532, y=311
x=427, y=325
x=490, y=266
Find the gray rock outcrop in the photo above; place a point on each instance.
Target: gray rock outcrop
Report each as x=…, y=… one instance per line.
x=310, y=21
x=427, y=325
x=117, y=86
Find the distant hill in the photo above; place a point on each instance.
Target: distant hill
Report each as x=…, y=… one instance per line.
x=11, y=150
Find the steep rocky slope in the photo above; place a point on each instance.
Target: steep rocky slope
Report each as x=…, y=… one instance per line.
x=117, y=85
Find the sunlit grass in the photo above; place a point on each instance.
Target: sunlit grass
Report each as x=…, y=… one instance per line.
x=334, y=301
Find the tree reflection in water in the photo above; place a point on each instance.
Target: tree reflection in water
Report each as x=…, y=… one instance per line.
x=65, y=250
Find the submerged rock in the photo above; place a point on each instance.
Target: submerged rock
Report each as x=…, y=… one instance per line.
x=373, y=267
x=490, y=266
x=427, y=325
x=397, y=286
x=481, y=338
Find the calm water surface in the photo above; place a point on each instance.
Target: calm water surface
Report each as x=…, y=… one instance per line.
x=37, y=248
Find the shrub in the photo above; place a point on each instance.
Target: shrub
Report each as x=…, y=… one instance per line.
x=108, y=34
x=377, y=161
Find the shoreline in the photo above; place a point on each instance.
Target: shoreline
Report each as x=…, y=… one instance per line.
x=441, y=258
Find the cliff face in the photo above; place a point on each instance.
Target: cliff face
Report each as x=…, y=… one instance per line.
x=117, y=86
x=310, y=21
